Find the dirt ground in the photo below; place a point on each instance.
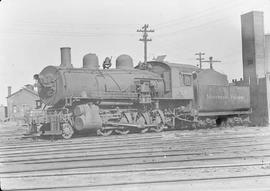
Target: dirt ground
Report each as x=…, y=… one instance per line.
x=235, y=158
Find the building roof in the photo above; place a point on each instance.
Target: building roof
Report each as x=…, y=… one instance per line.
x=26, y=89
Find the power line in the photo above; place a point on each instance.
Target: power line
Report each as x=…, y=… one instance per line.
x=145, y=39
x=205, y=13
x=202, y=26
x=211, y=61
x=200, y=54
x=87, y=34
x=63, y=33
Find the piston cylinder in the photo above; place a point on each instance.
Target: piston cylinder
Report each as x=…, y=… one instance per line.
x=88, y=117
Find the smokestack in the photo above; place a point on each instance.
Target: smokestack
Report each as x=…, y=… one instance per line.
x=66, y=57
x=9, y=90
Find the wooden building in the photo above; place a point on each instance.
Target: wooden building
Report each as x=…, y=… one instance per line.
x=21, y=102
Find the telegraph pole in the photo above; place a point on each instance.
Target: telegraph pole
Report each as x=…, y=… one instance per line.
x=211, y=61
x=200, y=54
x=145, y=32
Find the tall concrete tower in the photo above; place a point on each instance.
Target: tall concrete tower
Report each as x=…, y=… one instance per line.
x=253, y=45
x=253, y=42
x=267, y=53
x=267, y=69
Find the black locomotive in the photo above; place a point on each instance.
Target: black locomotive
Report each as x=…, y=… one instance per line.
x=149, y=97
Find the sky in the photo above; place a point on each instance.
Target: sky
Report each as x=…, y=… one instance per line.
x=32, y=32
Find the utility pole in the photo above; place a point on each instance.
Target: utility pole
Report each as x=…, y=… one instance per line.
x=211, y=61
x=145, y=32
x=200, y=54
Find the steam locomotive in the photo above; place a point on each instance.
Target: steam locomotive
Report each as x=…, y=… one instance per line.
x=149, y=97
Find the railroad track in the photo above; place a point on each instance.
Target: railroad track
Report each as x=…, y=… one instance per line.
x=119, y=139
x=220, y=159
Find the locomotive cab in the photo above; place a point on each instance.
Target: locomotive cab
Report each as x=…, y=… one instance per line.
x=177, y=78
x=177, y=101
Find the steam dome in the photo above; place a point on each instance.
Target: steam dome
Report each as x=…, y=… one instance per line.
x=124, y=62
x=90, y=61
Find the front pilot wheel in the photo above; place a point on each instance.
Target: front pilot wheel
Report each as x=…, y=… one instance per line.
x=67, y=131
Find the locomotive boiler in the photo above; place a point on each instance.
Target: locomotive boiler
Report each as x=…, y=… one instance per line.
x=57, y=83
x=149, y=97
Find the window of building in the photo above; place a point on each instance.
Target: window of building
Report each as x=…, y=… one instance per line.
x=25, y=107
x=14, y=109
